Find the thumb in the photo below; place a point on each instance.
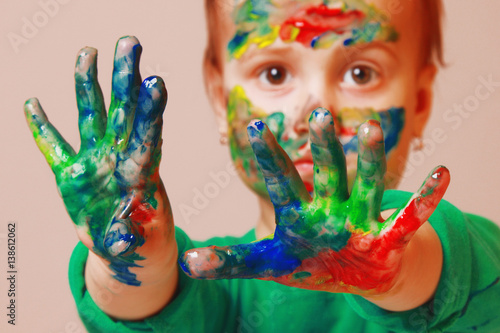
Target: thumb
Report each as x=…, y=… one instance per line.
x=261, y=259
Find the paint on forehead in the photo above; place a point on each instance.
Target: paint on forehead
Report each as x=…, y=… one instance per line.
x=313, y=23
x=391, y=121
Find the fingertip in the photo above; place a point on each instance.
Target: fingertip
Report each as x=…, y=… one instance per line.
x=320, y=115
x=370, y=133
x=321, y=126
x=153, y=91
x=30, y=102
x=154, y=83
x=255, y=128
x=128, y=39
x=127, y=44
x=441, y=176
x=201, y=263
x=85, y=63
x=441, y=172
x=32, y=108
x=87, y=52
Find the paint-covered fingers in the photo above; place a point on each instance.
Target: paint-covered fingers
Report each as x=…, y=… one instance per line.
x=125, y=90
x=143, y=150
x=260, y=259
x=283, y=182
x=52, y=145
x=91, y=110
x=330, y=175
x=368, y=187
x=403, y=223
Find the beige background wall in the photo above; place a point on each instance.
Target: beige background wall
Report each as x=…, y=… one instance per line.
x=172, y=34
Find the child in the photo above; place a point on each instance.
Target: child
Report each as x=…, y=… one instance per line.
x=282, y=62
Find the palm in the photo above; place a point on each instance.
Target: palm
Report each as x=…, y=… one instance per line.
x=331, y=241
x=111, y=188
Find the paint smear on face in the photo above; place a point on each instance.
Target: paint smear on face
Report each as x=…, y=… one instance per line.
x=391, y=121
x=313, y=23
x=241, y=111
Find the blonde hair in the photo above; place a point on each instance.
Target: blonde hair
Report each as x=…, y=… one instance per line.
x=431, y=15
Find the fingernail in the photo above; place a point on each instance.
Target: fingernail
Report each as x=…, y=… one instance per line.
x=119, y=239
x=255, y=128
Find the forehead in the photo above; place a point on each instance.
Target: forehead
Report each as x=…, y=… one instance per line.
x=316, y=23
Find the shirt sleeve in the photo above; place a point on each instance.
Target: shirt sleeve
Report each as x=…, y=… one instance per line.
x=199, y=306
x=468, y=295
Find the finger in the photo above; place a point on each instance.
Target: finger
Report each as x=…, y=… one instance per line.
x=125, y=90
x=368, y=185
x=52, y=145
x=144, y=146
x=123, y=234
x=330, y=175
x=283, y=182
x=92, y=114
x=260, y=259
x=401, y=226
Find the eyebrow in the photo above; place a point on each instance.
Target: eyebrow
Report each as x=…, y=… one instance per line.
x=371, y=46
x=256, y=52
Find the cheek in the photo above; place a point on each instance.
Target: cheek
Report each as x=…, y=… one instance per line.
x=392, y=122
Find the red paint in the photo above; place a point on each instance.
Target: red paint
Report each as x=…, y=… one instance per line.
x=350, y=131
x=143, y=212
x=315, y=21
x=309, y=187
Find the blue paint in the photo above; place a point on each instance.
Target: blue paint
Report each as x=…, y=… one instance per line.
x=240, y=38
x=277, y=259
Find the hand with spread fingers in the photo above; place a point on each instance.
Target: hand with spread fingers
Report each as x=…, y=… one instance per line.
x=111, y=188
x=330, y=241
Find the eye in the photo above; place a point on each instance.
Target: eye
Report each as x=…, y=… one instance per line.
x=274, y=75
x=359, y=75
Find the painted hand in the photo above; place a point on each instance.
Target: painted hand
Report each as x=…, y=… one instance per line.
x=330, y=241
x=111, y=188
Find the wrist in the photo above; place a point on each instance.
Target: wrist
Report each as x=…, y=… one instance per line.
x=158, y=278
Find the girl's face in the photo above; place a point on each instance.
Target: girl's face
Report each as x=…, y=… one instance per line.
x=360, y=60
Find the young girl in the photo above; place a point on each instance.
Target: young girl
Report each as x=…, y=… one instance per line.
x=282, y=62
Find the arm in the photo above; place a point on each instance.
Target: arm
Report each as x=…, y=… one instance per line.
x=332, y=241
x=111, y=188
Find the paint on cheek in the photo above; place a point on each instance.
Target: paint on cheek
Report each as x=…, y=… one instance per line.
x=315, y=24
x=391, y=121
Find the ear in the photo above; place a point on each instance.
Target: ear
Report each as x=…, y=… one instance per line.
x=425, y=81
x=214, y=86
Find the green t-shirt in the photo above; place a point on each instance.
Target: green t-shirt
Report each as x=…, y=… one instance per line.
x=467, y=298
